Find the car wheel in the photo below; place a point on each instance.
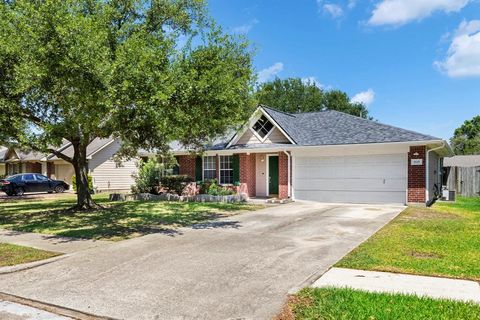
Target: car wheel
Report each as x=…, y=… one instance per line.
x=19, y=191
x=59, y=189
x=9, y=194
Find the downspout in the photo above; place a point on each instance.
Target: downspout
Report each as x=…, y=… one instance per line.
x=288, y=173
x=427, y=172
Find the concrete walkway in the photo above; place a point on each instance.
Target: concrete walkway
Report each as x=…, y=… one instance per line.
x=49, y=242
x=462, y=290
x=14, y=311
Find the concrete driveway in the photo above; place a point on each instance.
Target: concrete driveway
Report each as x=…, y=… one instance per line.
x=240, y=267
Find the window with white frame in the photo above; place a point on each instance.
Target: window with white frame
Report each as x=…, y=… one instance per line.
x=262, y=127
x=226, y=170
x=209, y=167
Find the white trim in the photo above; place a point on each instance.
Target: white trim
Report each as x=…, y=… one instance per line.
x=277, y=126
x=100, y=149
x=256, y=133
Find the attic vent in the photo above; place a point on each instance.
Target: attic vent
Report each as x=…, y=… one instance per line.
x=262, y=127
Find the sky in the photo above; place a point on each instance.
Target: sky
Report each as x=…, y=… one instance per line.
x=414, y=63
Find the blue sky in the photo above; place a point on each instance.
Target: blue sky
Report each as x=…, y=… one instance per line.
x=415, y=63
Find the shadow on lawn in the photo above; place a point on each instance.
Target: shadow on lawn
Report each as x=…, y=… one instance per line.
x=116, y=221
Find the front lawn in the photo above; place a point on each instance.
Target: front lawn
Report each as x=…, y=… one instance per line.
x=329, y=303
x=119, y=220
x=12, y=254
x=440, y=241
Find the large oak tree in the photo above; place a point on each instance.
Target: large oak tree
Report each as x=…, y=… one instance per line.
x=145, y=72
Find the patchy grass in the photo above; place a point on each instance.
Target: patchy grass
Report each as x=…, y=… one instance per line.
x=119, y=220
x=440, y=241
x=12, y=254
x=329, y=303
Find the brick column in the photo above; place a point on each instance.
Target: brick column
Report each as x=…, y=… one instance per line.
x=187, y=165
x=247, y=174
x=416, y=175
x=282, y=175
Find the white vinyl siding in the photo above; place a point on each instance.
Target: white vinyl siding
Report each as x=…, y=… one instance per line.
x=351, y=179
x=106, y=174
x=276, y=136
x=64, y=172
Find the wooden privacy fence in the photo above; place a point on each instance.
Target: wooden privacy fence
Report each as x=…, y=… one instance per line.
x=464, y=180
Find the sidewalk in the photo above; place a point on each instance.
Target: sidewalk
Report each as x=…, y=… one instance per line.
x=49, y=242
x=462, y=290
x=15, y=311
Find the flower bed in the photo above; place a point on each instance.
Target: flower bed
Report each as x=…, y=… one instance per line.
x=235, y=198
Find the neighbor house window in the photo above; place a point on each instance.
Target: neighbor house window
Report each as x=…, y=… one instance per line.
x=262, y=127
x=226, y=170
x=209, y=167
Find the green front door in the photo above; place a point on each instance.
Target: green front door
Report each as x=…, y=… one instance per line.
x=273, y=175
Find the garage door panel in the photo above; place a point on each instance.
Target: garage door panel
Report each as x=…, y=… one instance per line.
x=352, y=184
x=351, y=196
x=363, y=178
x=356, y=172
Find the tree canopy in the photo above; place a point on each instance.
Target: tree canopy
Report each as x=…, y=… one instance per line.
x=295, y=95
x=466, y=138
x=146, y=72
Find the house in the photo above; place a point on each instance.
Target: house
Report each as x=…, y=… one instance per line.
x=106, y=173
x=325, y=156
x=3, y=150
x=462, y=174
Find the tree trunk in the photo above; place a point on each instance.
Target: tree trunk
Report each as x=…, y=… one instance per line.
x=80, y=165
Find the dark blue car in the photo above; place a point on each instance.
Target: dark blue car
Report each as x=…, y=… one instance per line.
x=31, y=182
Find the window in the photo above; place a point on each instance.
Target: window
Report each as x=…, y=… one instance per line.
x=262, y=127
x=40, y=177
x=226, y=170
x=28, y=177
x=209, y=168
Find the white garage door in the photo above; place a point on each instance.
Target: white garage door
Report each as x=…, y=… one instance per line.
x=351, y=179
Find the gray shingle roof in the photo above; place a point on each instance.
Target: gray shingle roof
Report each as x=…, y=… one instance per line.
x=335, y=128
x=462, y=161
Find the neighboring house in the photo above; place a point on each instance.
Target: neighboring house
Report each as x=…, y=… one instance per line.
x=325, y=156
x=3, y=150
x=106, y=173
x=462, y=174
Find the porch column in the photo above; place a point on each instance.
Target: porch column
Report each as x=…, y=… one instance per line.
x=282, y=175
x=44, y=168
x=247, y=174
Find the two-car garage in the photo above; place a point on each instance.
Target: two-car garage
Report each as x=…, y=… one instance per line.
x=371, y=178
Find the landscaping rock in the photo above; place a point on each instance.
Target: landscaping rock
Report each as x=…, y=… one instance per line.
x=173, y=197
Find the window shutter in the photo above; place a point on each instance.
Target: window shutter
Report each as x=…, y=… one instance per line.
x=198, y=169
x=236, y=168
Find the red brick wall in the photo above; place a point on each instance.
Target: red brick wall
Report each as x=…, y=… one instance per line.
x=187, y=165
x=282, y=175
x=247, y=174
x=416, y=176
x=33, y=167
x=50, y=169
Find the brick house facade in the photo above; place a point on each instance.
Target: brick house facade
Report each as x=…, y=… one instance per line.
x=416, y=175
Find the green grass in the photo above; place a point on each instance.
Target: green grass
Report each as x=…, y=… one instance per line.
x=119, y=220
x=12, y=254
x=333, y=304
x=440, y=241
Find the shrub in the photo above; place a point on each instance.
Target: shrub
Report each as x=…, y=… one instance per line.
x=90, y=183
x=147, y=180
x=212, y=188
x=176, y=184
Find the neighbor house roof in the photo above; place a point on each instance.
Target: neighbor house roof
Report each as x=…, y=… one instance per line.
x=462, y=161
x=331, y=127
x=94, y=146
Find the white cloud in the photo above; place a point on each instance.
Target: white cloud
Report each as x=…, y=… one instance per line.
x=463, y=55
x=398, y=12
x=352, y=4
x=334, y=10
x=365, y=97
x=313, y=80
x=267, y=73
x=244, y=29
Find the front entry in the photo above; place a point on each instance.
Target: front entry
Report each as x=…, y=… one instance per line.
x=272, y=175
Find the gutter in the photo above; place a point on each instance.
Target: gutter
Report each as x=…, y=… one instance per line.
x=427, y=171
x=288, y=173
